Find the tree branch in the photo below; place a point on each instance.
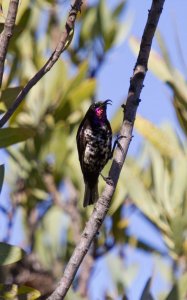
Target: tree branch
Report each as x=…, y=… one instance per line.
x=102, y=206
x=6, y=34
x=61, y=46
x=69, y=207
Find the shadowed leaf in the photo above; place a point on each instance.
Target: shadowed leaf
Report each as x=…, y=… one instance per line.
x=146, y=295
x=8, y=96
x=10, y=136
x=2, y=171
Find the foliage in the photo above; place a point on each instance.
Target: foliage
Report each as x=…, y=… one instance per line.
x=44, y=175
x=1, y=176
x=13, y=292
x=9, y=254
x=47, y=121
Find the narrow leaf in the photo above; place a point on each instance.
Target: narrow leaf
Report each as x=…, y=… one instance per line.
x=146, y=295
x=156, y=62
x=13, y=291
x=8, y=95
x=156, y=137
x=10, y=136
x=2, y=171
x=10, y=254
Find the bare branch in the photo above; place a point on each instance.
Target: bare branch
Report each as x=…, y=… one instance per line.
x=70, y=207
x=102, y=205
x=61, y=46
x=7, y=33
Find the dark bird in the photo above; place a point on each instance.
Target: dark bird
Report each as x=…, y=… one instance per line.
x=94, y=143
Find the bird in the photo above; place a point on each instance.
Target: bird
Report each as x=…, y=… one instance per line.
x=94, y=145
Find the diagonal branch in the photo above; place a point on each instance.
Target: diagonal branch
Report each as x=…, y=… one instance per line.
x=61, y=46
x=102, y=206
x=6, y=34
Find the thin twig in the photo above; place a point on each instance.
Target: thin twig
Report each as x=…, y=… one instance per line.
x=6, y=34
x=61, y=46
x=102, y=206
x=69, y=207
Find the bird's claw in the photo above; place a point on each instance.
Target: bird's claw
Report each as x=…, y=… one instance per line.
x=107, y=179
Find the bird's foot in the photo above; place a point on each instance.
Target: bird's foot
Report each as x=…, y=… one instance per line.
x=107, y=179
x=117, y=143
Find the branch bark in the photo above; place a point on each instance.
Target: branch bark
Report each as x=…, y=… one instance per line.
x=6, y=34
x=102, y=206
x=61, y=46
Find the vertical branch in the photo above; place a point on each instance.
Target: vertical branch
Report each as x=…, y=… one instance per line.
x=7, y=34
x=102, y=206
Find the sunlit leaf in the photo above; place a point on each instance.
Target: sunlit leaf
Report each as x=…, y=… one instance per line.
x=84, y=91
x=123, y=31
x=23, y=6
x=119, y=8
x=157, y=137
x=88, y=24
x=10, y=254
x=12, y=292
x=156, y=63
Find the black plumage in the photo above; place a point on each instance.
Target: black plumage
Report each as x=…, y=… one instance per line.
x=94, y=140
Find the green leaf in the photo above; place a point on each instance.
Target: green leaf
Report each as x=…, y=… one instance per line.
x=126, y=275
x=104, y=18
x=9, y=254
x=1, y=27
x=164, y=50
x=20, y=27
x=5, y=5
x=157, y=137
x=118, y=9
x=10, y=136
x=2, y=171
x=174, y=294
x=8, y=95
x=39, y=194
x=23, y=6
x=146, y=295
x=13, y=291
x=88, y=25
x=123, y=31
x=179, y=289
x=79, y=77
x=74, y=295
x=73, y=84
x=85, y=90
x=156, y=63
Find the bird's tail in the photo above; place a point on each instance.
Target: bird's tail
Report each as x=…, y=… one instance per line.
x=90, y=194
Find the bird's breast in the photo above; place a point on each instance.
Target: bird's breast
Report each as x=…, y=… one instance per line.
x=98, y=147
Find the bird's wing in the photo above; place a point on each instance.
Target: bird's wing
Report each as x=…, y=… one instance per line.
x=81, y=141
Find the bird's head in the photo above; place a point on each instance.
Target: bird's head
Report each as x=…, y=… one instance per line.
x=98, y=109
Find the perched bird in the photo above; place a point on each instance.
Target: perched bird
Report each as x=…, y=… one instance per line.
x=94, y=143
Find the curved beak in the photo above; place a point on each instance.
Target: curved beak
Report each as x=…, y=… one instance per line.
x=106, y=102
